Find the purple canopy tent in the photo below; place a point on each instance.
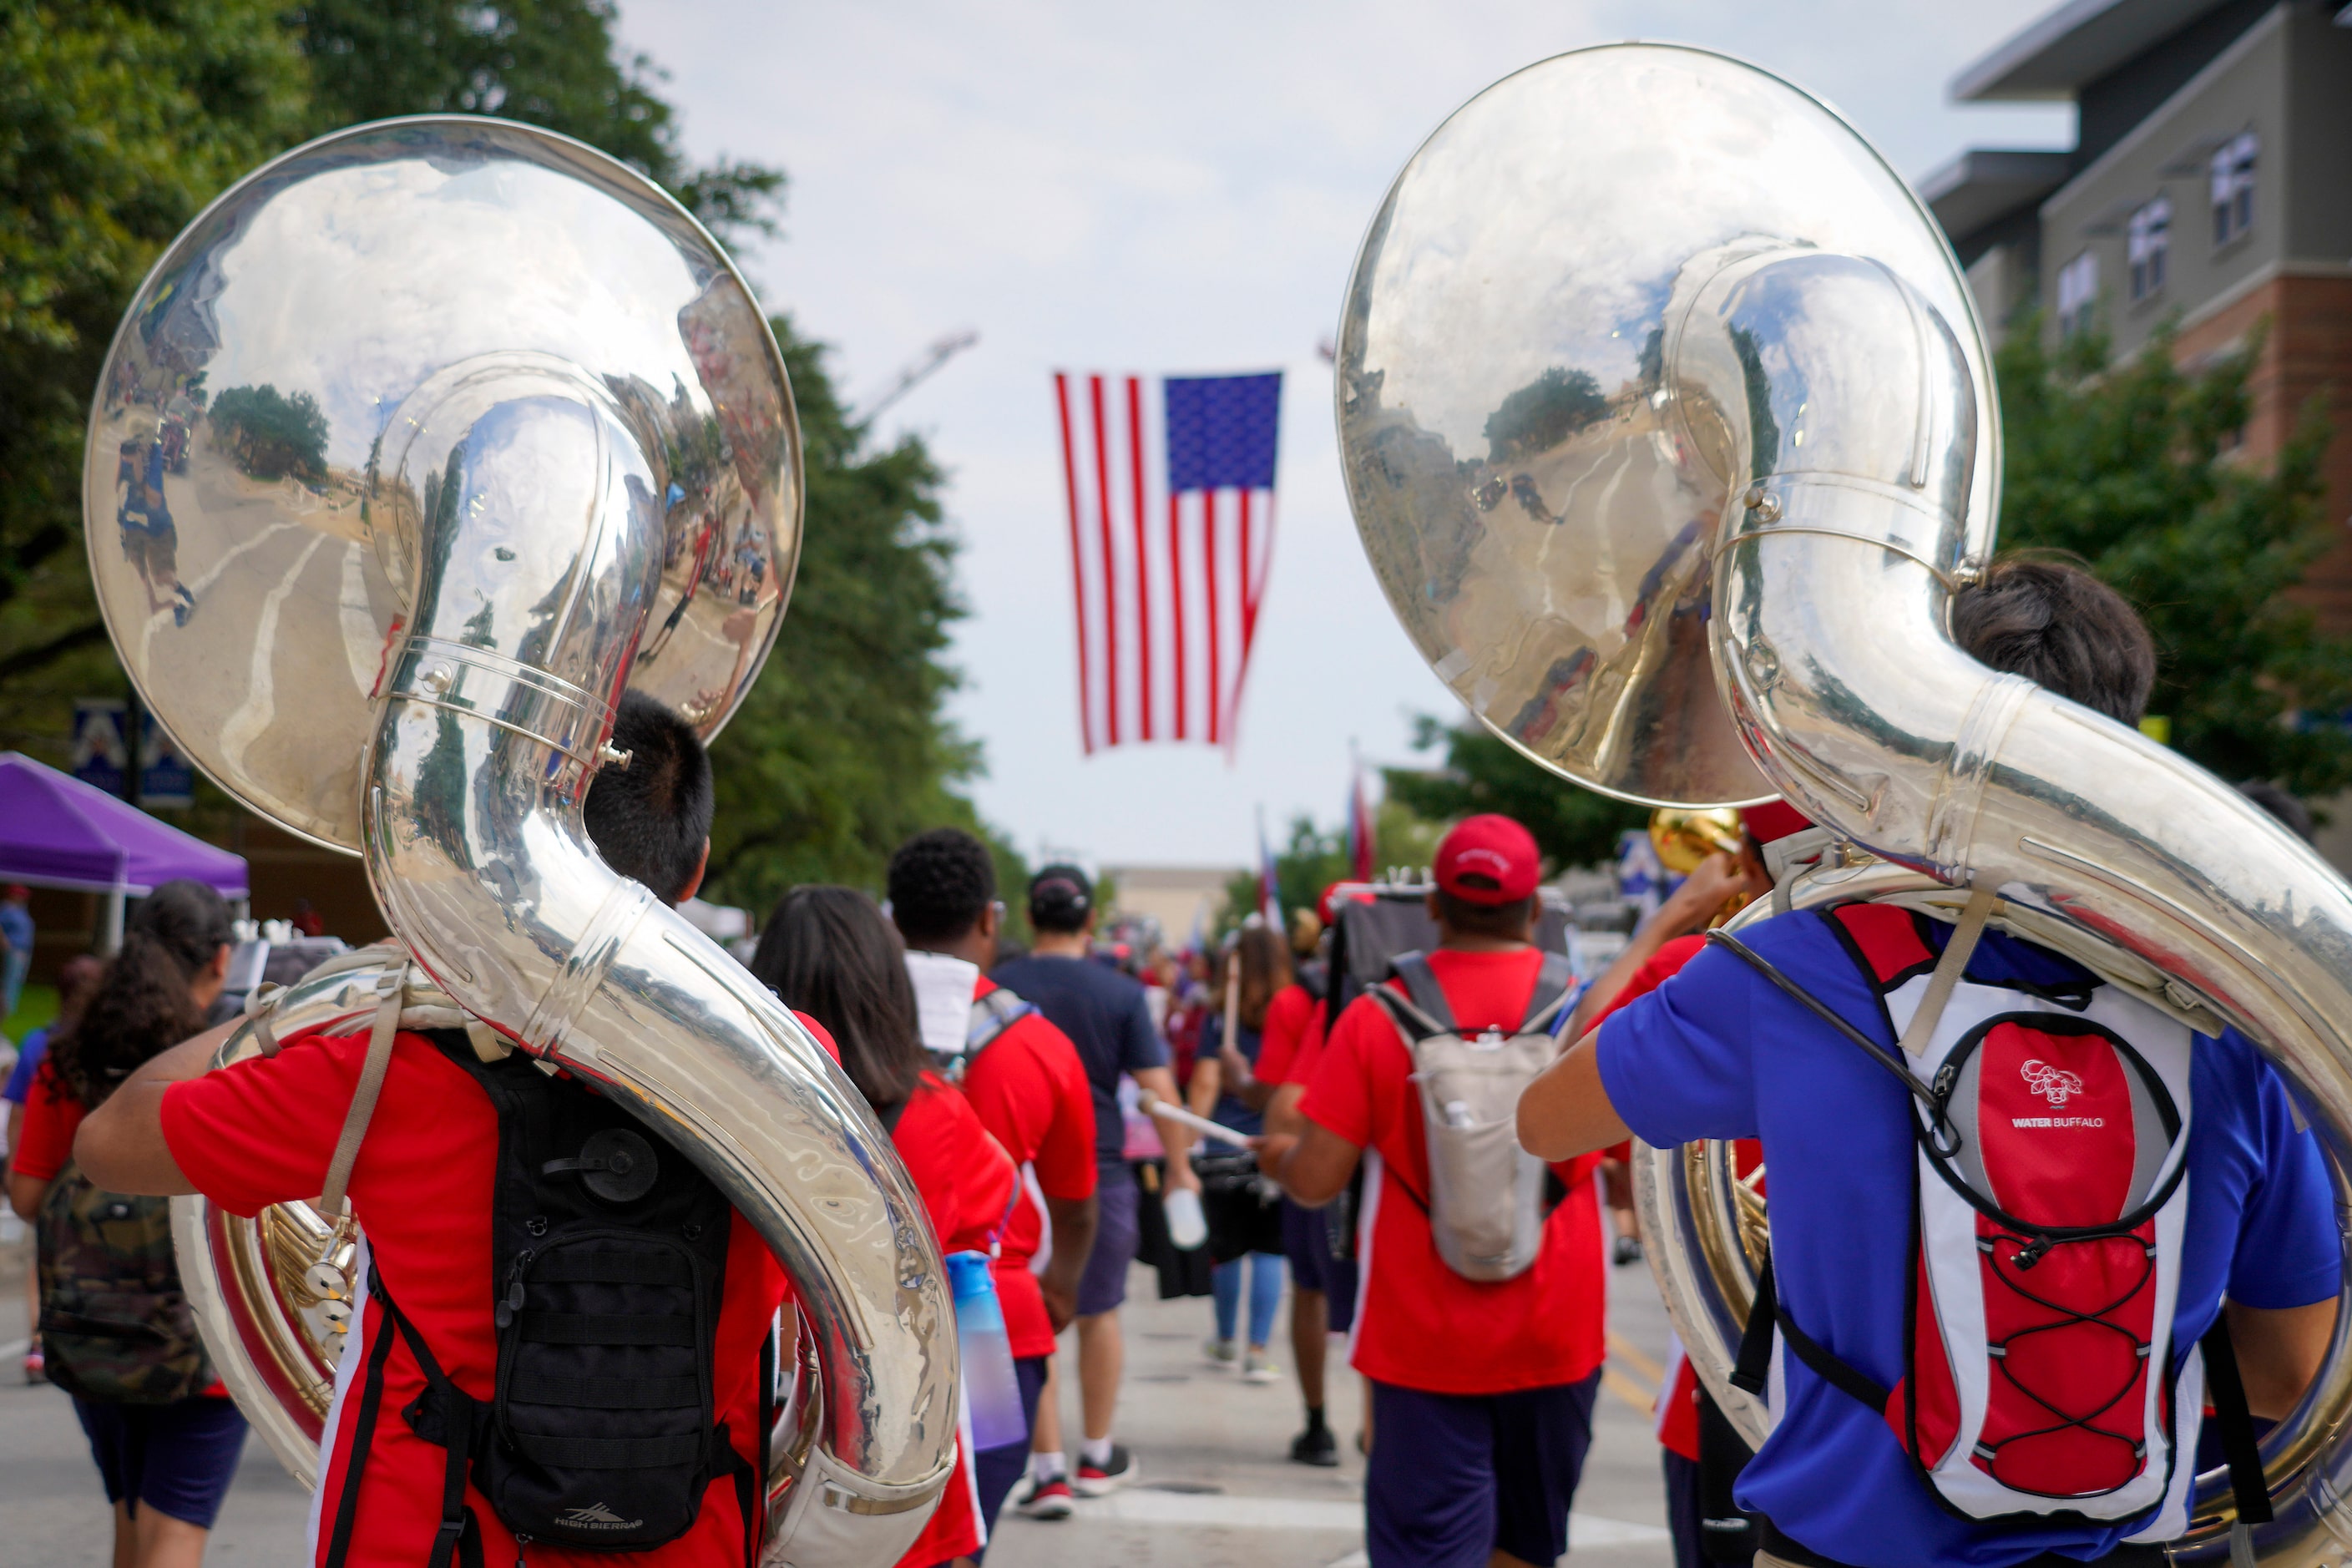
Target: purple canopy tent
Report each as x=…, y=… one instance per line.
x=58, y=832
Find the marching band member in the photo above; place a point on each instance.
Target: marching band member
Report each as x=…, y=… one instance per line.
x=1024, y=1079
x=2093, y=1132
x=1482, y=1388
x=425, y=1186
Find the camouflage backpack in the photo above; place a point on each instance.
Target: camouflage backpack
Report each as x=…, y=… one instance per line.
x=115, y=1325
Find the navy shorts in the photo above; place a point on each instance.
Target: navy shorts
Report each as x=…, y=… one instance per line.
x=1477, y=1474
x=176, y=1458
x=1103, y=1285
x=996, y=1471
x=1307, y=1243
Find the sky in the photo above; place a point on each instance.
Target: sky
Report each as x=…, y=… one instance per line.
x=1176, y=189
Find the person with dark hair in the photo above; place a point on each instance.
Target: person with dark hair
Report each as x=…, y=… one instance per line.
x=650, y=817
x=1106, y=1017
x=76, y=983
x=829, y=952
x=161, y=1427
x=1482, y=1389
x=426, y=1186
x=1024, y=1079
x=2061, y=628
x=2034, y=1055
x=1245, y=1230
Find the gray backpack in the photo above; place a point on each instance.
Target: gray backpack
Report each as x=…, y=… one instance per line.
x=1487, y=1197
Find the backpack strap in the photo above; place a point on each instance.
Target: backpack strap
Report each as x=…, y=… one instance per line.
x=1752, y=1371
x=339, y=1544
x=2234, y=1425
x=1548, y=1004
x=1945, y=1137
x=991, y=1016
x=455, y=1414
x=1428, y=997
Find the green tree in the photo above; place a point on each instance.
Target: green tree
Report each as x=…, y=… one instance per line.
x=2131, y=466
x=1544, y=412
x=550, y=62
x=1308, y=862
x=117, y=122
x=1572, y=826
x=120, y=119
x=272, y=434
x=841, y=749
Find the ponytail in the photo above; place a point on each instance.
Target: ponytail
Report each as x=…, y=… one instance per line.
x=144, y=1003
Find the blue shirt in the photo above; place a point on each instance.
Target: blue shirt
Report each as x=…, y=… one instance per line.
x=1718, y=1052
x=1231, y=1111
x=28, y=1062
x=1106, y=1017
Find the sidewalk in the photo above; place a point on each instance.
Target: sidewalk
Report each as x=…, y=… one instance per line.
x=1215, y=1489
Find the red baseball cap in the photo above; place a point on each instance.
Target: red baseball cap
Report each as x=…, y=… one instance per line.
x=1773, y=819
x=1488, y=860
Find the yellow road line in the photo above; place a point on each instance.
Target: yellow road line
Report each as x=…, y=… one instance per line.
x=1636, y=1360
x=1627, y=1389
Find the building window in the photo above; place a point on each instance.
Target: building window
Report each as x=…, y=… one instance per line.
x=2233, y=188
x=2078, y=292
x=2150, y=241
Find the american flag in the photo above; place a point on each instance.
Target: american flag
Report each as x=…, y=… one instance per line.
x=1170, y=485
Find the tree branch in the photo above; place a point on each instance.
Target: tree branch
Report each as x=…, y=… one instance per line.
x=27, y=659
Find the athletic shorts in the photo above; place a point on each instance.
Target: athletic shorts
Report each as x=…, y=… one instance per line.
x=1103, y=1285
x=1307, y=1243
x=1474, y=1474
x=176, y=1458
x=996, y=1471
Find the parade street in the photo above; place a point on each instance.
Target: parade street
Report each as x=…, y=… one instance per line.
x=1215, y=1492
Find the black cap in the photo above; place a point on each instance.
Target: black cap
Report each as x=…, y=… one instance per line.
x=1060, y=898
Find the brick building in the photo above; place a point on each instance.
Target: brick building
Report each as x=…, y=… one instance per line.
x=2210, y=184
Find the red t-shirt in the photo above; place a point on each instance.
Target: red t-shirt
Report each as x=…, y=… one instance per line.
x=967, y=1182
x=1029, y=1089
x=1290, y=1018
x=263, y=1132
x=1678, y=1409
x=52, y=1116
x=1421, y=1325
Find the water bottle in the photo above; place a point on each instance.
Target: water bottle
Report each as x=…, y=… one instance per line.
x=991, y=1388
x=1188, y=1227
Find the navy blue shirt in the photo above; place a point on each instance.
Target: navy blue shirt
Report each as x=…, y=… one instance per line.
x=1230, y=1111
x=1718, y=1052
x=1104, y=1014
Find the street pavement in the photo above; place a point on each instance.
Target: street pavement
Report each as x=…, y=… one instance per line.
x=1215, y=1488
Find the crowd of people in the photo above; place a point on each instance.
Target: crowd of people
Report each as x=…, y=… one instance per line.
x=1416, y=1162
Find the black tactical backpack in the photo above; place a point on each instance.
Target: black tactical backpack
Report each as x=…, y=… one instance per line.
x=609, y=1253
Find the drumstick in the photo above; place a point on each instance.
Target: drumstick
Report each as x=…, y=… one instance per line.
x=1200, y=1124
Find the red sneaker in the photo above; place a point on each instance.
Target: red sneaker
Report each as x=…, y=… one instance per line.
x=1101, y=1481
x=1046, y=1499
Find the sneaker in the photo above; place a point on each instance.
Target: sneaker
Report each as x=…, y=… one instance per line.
x=1101, y=1481
x=1258, y=1367
x=37, y=1365
x=1221, y=1351
x=1317, y=1446
x=1047, y=1499
x=1627, y=1250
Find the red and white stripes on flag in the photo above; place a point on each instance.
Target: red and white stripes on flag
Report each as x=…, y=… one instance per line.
x=1169, y=482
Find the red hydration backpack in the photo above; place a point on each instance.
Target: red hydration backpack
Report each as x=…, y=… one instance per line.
x=2051, y=1133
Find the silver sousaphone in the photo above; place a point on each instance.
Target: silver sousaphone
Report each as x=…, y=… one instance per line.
x=1669, y=428
x=417, y=449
